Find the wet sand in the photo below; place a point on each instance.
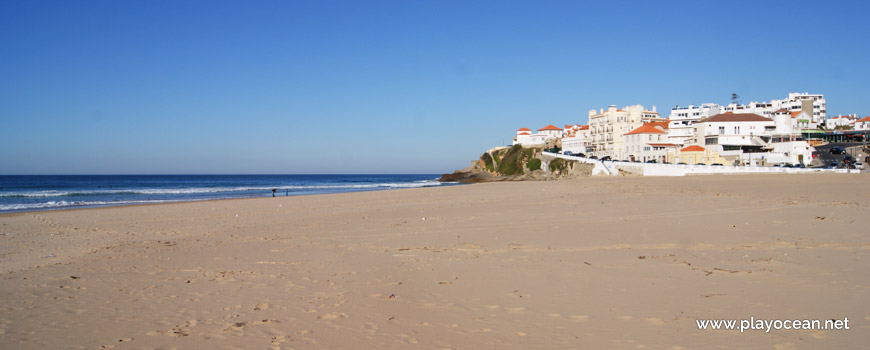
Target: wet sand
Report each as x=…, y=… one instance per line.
x=626, y=262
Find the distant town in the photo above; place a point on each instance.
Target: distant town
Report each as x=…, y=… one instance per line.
x=783, y=133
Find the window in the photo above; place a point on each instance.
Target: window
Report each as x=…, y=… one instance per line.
x=721, y=130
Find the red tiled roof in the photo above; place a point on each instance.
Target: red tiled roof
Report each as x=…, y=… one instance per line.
x=693, y=148
x=781, y=110
x=737, y=117
x=550, y=127
x=865, y=119
x=524, y=133
x=584, y=127
x=524, y=129
x=664, y=124
x=645, y=129
x=795, y=113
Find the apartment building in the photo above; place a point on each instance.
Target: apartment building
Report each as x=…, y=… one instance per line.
x=682, y=121
x=814, y=105
x=607, y=127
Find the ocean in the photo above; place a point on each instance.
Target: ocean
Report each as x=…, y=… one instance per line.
x=46, y=192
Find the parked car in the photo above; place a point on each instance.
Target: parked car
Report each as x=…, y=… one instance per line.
x=681, y=163
x=593, y=157
x=580, y=155
x=859, y=165
x=837, y=150
x=800, y=165
x=605, y=158
x=833, y=165
x=568, y=153
x=847, y=159
x=652, y=161
x=716, y=164
x=700, y=164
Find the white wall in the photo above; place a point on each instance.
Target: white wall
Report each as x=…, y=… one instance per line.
x=574, y=144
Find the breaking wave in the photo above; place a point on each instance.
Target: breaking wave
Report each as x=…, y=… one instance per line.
x=206, y=190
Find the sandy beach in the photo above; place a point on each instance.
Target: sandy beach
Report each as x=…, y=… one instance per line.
x=597, y=263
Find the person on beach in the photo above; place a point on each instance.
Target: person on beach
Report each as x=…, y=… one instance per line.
x=273, y=191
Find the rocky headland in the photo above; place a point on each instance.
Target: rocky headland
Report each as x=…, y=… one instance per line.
x=517, y=163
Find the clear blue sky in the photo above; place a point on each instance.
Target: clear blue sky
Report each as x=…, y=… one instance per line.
x=120, y=87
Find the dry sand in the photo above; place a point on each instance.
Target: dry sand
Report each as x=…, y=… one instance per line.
x=590, y=263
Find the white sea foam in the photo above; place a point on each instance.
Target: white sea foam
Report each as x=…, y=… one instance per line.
x=66, y=204
x=202, y=190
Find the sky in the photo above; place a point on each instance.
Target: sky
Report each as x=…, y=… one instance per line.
x=385, y=87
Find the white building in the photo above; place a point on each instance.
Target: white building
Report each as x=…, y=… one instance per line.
x=786, y=143
x=647, y=142
x=840, y=120
x=551, y=131
x=797, y=101
x=863, y=123
x=800, y=120
x=814, y=104
x=525, y=137
x=734, y=131
x=681, y=129
x=750, y=139
x=575, y=139
x=791, y=152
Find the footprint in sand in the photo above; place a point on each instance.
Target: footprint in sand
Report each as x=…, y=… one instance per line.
x=655, y=320
x=278, y=339
x=371, y=328
x=516, y=310
x=332, y=316
x=579, y=317
x=236, y=326
x=259, y=307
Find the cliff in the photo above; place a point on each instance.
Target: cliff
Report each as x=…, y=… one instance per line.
x=516, y=163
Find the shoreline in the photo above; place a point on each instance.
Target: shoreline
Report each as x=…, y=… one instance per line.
x=450, y=184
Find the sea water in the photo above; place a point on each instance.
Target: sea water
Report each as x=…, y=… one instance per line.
x=44, y=192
